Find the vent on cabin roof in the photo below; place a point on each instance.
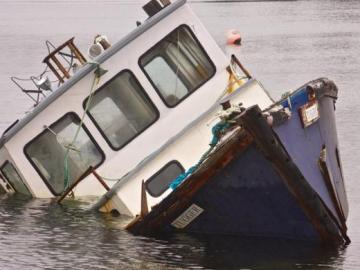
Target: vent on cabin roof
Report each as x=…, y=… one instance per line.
x=154, y=6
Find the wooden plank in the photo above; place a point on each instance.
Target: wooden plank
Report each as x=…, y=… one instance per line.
x=60, y=66
x=77, y=53
x=99, y=178
x=55, y=72
x=144, y=206
x=46, y=59
x=73, y=185
x=236, y=60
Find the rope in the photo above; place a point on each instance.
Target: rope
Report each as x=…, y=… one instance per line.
x=71, y=146
x=217, y=130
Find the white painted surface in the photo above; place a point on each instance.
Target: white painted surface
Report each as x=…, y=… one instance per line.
x=187, y=148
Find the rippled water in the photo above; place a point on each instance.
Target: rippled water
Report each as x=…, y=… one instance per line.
x=285, y=44
x=36, y=234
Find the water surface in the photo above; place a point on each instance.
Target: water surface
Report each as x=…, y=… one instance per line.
x=285, y=44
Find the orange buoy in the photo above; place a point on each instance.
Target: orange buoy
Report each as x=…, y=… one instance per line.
x=233, y=37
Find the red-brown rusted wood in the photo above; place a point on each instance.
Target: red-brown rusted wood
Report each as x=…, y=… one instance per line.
x=60, y=66
x=62, y=46
x=144, y=206
x=180, y=199
x=310, y=202
x=32, y=91
x=52, y=57
x=77, y=53
x=54, y=71
x=237, y=61
x=73, y=185
x=99, y=178
x=255, y=129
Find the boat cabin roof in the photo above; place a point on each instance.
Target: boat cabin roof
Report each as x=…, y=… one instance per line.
x=150, y=22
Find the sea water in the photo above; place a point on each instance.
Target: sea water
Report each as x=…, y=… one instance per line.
x=284, y=45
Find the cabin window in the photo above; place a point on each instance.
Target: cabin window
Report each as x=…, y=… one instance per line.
x=177, y=66
x=121, y=109
x=9, y=172
x=47, y=152
x=160, y=181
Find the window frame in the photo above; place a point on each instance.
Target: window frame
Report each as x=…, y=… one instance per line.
x=103, y=157
x=145, y=94
x=201, y=48
x=7, y=181
x=152, y=177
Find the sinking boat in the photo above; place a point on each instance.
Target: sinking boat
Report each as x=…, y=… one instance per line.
x=164, y=128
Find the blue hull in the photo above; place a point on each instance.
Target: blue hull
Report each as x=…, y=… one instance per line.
x=282, y=181
x=249, y=198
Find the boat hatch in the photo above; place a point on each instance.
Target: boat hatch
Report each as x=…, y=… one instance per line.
x=63, y=152
x=12, y=176
x=177, y=65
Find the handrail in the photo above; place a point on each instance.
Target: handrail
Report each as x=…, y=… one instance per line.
x=243, y=69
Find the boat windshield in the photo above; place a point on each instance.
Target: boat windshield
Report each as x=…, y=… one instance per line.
x=55, y=147
x=177, y=66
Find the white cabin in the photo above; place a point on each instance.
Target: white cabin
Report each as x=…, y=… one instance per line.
x=149, y=118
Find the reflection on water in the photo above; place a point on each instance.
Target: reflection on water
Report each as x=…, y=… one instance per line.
x=285, y=44
x=39, y=234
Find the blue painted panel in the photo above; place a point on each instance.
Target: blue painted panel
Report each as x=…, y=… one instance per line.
x=249, y=198
x=305, y=144
x=328, y=129
x=297, y=99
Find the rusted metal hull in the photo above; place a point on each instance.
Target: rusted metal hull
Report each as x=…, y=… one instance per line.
x=265, y=180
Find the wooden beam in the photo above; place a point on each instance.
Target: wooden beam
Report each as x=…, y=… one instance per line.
x=144, y=206
x=73, y=185
x=77, y=53
x=54, y=71
x=236, y=60
x=60, y=66
x=99, y=178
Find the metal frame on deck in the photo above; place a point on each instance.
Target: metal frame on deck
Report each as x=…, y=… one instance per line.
x=150, y=22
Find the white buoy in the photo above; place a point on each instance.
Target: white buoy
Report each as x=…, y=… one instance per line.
x=95, y=50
